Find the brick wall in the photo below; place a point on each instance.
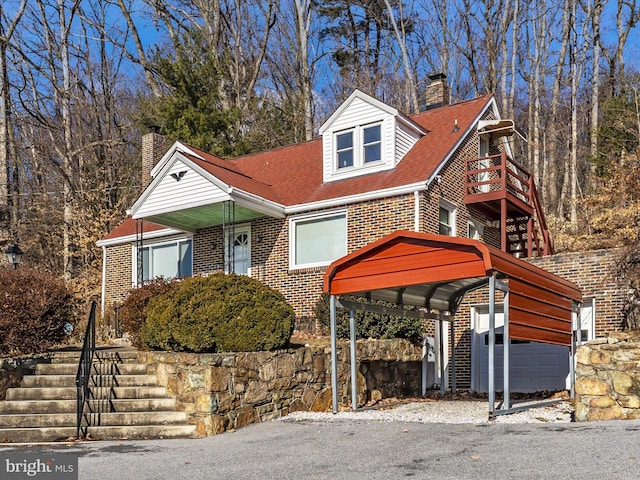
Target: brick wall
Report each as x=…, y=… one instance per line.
x=119, y=273
x=594, y=273
x=366, y=222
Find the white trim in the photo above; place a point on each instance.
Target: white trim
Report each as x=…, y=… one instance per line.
x=176, y=147
x=416, y=211
x=377, y=104
x=257, y=203
x=365, y=98
x=132, y=238
x=313, y=216
x=479, y=228
x=359, y=197
x=103, y=292
x=178, y=156
x=490, y=104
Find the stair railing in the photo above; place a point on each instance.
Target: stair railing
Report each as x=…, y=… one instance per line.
x=84, y=369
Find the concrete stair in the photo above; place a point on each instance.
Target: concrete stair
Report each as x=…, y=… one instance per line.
x=125, y=402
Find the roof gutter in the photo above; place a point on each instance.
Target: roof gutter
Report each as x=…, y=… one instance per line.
x=361, y=197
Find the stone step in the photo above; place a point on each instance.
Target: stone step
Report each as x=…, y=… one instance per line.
x=121, y=356
x=72, y=369
x=139, y=432
x=70, y=393
x=44, y=420
x=69, y=406
x=29, y=420
x=30, y=381
x=142, y=432
x=37, y=435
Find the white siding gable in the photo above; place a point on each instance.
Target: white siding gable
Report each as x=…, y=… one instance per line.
x=167, y=194
x=397, y=136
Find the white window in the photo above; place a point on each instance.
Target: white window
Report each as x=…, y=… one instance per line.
x=358, y=146
x=344, y=149
x=317, y=240
x=167, y=259
x=447, y=219
x=473, y=231
x=372, y=143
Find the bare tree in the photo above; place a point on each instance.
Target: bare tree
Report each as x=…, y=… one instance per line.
x=7, y=145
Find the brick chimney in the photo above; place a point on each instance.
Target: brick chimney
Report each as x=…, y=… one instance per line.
x=437, y=92
x=153, y=148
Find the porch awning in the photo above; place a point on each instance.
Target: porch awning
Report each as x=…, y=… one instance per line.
x=499, y=128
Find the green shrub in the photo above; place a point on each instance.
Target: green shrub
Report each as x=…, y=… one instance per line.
x=219, y=313
x=133, y=311
x=368, y=324
x=34, y=307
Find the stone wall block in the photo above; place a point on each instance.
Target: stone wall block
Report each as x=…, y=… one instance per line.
x=268, y=370
x=588, y=386
x=206, y=403
x=622, y=382
x=612, y=413
x=599, y=357
x=322, y=402
x=244, y=416
x=629, y=401
x=216, y=379
x=582, y=356
x=602, y=402
x=257, y=393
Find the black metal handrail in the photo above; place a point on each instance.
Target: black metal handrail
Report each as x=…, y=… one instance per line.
x=84, y=368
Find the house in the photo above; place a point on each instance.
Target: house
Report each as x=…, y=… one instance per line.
x=285, y=214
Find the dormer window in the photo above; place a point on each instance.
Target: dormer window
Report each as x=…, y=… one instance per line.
x=365, y=136
x=359, y=146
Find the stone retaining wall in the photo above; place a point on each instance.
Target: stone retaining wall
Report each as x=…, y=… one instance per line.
x=608, y=379
x=221, y=392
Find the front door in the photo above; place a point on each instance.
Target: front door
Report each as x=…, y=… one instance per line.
x=238, y=247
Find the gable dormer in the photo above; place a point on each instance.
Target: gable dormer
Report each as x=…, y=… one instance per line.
x=365, y=136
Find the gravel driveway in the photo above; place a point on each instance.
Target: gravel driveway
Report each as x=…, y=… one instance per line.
x=444, y=411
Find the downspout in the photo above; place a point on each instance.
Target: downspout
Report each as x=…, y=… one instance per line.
x=104, y=279
x=416, y=211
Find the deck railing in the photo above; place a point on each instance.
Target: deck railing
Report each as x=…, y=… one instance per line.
x=497, y=177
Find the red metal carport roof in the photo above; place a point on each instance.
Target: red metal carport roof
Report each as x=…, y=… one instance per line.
x=435, y=272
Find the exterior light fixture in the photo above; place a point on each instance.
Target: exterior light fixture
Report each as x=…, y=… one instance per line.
x=14, y=255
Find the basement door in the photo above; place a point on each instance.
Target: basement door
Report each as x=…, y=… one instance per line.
x=533, y=366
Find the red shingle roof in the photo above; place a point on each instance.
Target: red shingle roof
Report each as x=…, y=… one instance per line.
x=292, y=175
x=128, y=227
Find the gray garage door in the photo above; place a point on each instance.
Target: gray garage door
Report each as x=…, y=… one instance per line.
x=533, y=367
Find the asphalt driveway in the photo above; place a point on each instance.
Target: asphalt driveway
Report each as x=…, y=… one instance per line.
x=316, y=449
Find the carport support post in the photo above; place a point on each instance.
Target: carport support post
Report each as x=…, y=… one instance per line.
x=354, y=366
x=576, y=326
x=506, y=342
x=441, y=352
x=492, y=342
x=334, y=354
x=452, y=342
